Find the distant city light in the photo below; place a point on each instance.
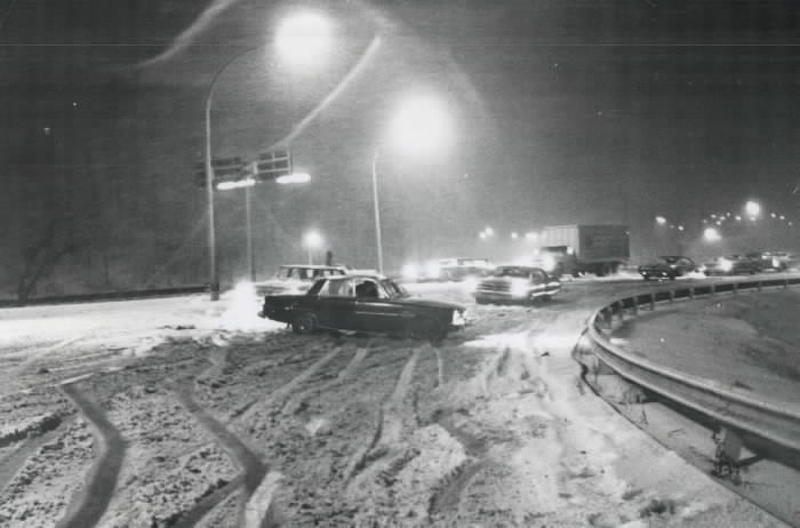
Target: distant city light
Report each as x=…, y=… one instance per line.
x=482, y=235
x=514, y=235
x=660, y=220
x=710, y=234
x=680, y=228
x=489, y=231
x=738, y=218
x=531, y=236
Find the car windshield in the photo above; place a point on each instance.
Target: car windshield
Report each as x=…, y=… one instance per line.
x=233, y=282
x=393, y=290
x=516, y=272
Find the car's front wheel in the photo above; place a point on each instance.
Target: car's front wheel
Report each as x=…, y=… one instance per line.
x=304, y=323
x=430, y=329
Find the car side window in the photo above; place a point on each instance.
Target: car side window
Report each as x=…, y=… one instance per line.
x=367, y=289
x=337, y=288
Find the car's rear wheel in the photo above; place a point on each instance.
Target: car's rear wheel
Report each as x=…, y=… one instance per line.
x=304, y=323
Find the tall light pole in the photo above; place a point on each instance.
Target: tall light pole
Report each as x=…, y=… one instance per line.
x=306, y=32
x=420, y=125
x=375, y=202
x=247, y=184
x=212, y=241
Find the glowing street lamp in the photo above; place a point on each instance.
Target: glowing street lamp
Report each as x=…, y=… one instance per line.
x=752, y=209
x=711, y=234
x=312, y=240
x=420, y=126
x=660, y=220
x=298, y=39
x=303, y=38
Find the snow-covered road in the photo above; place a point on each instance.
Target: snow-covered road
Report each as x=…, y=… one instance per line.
x=199, y=413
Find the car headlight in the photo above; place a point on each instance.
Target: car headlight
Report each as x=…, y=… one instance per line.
x=776, y=263
x=725, y=265
x=519, y=288
x=458, y=318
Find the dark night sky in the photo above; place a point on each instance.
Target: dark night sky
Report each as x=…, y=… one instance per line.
x=566, y=111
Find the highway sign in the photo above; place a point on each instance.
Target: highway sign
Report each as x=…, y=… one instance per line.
x=224, y=169
x=272, y=165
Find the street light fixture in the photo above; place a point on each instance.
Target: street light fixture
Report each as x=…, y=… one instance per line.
x=303, y=38
x=296, y=34
x=312, y=240
x=420, y=126
x=753, y=209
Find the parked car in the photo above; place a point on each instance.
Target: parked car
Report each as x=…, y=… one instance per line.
x=667, y=267
x=516, y=284
x=459, y=269
x=447, y=269
x=363, y=303
x=296, y=278
x=773, y=260
x=732, y=265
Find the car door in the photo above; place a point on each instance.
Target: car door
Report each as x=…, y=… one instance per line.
x=374, y=311
x=335, y=304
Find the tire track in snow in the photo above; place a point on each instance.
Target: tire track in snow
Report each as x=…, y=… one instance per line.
x=87, y=508
x=251, y=465
x=259, y=483
x=297, y=402
x=389, y=423
x=246, y=411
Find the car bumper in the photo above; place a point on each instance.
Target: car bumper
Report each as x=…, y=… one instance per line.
x=495, y=296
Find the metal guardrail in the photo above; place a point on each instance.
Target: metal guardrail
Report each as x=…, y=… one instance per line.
x=764, y=419
x=107, y=296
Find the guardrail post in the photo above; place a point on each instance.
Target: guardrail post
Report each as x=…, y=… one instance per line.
x=652, y=301
x=691, y=292
x=619, y=307
x=735, y=289
x=672, y=296
x=785, y=283
x=759, y=285
x=635, y=306
x=712, y=290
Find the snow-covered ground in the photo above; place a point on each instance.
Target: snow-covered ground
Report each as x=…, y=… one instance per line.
x=200, y=413
x=749, y=342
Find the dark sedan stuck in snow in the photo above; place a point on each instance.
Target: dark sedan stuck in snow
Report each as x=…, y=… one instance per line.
x=364, y=303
